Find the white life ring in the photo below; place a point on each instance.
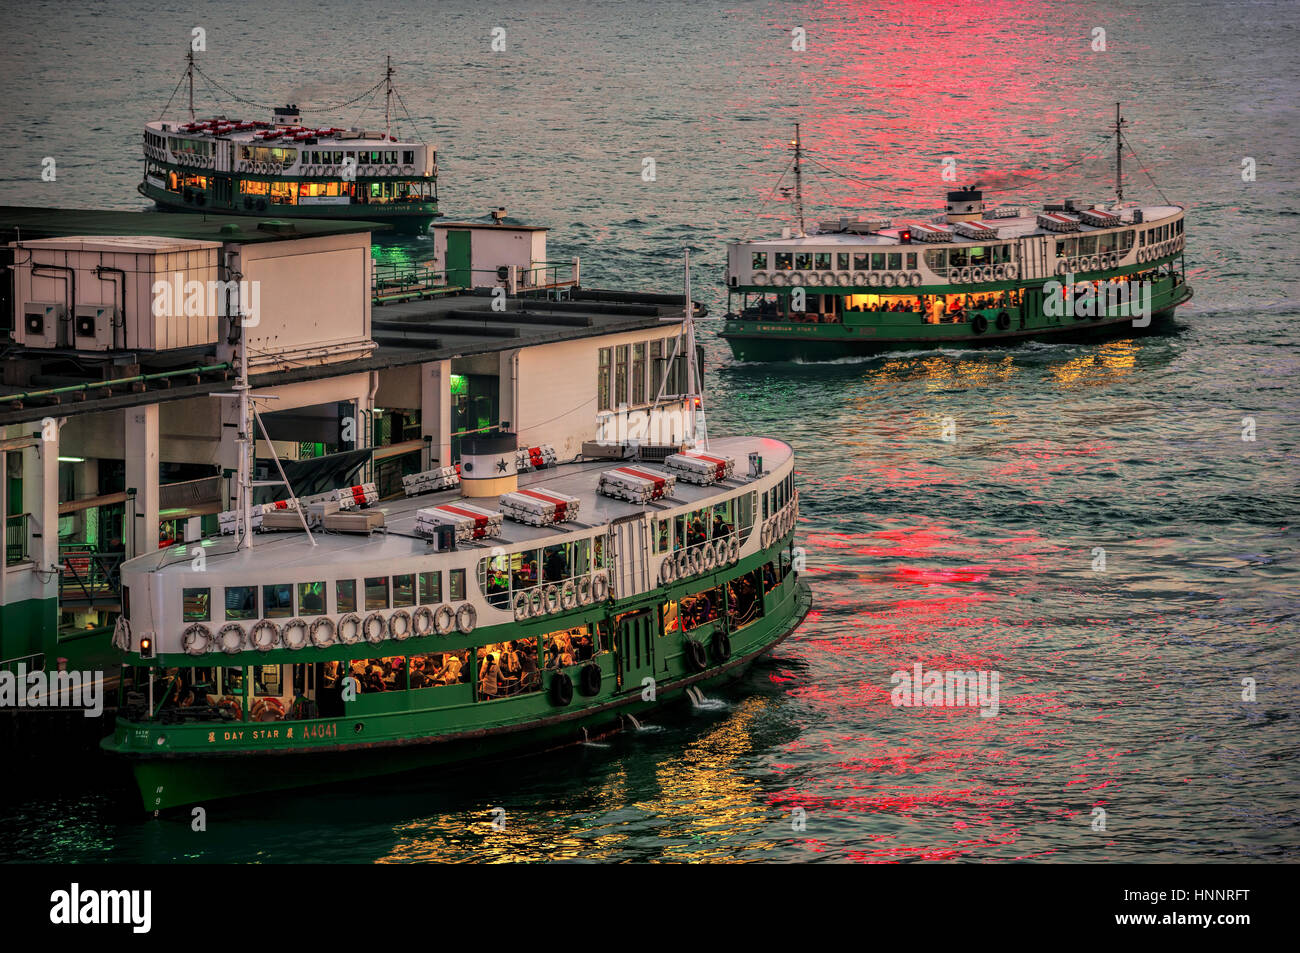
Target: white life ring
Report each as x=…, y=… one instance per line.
x=697, y=561
x=720, y=552
x=568, y=595
x=223, y=638
x=322, y=632
x=966, y=274
x=584, y=590
x=845, y=279
x=466, y=619
x=551, y=599
x=859, y=278
x=444, y=619
x=536, y=601
x=520, y=604
x=733, y=551
x=764, y=536
x=915, y=279
x=796, y=278
x=265, y=645
x=683, y=564
x=889, y=279
x=1062, y=267
x=999, y=272
x=304, y=634
x=666, y=571
x=197, y=639
x=760, y=278
x=1012, y=272
x=349, y=630
x=708, y=558
x=873, y=279
x=1094, y=263
x=599, y=587
x=407, y=170
x=828, y=279
x=422, y=621
x=399, y=625
x=779, y=280
x=374, y=628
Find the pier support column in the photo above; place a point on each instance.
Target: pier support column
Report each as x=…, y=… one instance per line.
x=142, y=475
x=435, y=408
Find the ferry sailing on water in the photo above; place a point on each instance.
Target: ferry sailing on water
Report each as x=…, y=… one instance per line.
x=508, y=603
x=972, y=276
x=289, y=170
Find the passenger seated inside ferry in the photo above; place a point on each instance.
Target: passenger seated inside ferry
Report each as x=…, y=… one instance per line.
x=508, y=668
x=568, y=647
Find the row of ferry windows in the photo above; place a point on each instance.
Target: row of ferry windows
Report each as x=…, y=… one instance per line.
x=320, y=157
x=707, y=524
x=838, y=261
x=779, y=495
x=276, y=601
x=499, y=576
x=1153, y=236
x=634, y=373
x=1102, y=243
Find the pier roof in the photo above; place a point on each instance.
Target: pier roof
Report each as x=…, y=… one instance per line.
x=19, y=222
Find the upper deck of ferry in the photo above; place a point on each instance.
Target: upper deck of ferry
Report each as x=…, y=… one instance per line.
x=289, y=553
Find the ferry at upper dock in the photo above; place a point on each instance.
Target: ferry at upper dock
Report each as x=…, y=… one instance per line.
x=282, y=168
x=972, y=276
x=505, y=604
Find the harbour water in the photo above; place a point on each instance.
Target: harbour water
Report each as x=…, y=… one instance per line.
x=1098, y=532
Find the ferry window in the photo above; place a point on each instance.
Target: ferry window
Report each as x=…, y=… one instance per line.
x=769, y=577
x=759, y=261
x=663, y=536
x=861, y=262
x=404, y=590
x=126, y=602
x=936, y=260
x=568, y=647
x=508, y=668
x=822, y=262
x=598, y=552
x=1060, y=248
x=266, y=680
x=555, y=563
x=439, y=668
x=842, y=261
x=197, y=607
x=345, y=595
x=724, y=519
x=408, y=157
x=376, y=592
x=620, y=375
x=379, y=674
x=803, y=260
x=602, y=380
x=784, y=261
x=697, y=527
x=911, y=261
x=582, y=557
x=456, y=584
x=278, y=601
x=1106, y=242
x=638, y=373
x=895, y=261
x=656, y=368
x=241, y=602
x=1088, y=245
x=745, y=514
x=671, y=623
x=494, y=579
x=523, y=569
x=430, y=588
x=1126, y=241
x=311, y=598
x=700, y=609
x=877, y=261
x=743, y=604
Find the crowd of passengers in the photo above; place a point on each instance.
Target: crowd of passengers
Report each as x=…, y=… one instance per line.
x=511, y=668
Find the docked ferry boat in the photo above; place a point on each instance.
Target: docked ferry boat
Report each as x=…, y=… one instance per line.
x=506, y=604
x=972, y=276
x=285, y=169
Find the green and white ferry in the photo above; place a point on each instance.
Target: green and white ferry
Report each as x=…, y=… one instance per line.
x=288, y=170
x=506, y=605
x=973, y=276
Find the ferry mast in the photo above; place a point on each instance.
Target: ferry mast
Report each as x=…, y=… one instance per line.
x=798, y=176
x=1119, y=156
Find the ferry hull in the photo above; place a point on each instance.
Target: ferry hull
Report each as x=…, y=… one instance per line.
x=413, y=220
x=173, y=780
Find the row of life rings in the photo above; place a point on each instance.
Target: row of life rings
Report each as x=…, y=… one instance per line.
x=858, y=279
x=322, y=632
x=973, y=274
x=204, y=162
x=560, y=597
x=1155, y=252
x=780, y=525
x=701, y=558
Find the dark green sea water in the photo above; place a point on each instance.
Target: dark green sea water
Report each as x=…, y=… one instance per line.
x=1120, y=690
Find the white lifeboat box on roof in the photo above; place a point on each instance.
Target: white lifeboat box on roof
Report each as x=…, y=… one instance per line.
x=535, y=458
x=636, y=484
x=471, y=522
x=347, y=497
x=430, y=481
x=540, y=507
x=228, y=520
x=704, y=469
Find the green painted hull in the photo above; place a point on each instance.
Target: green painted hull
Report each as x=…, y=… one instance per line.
x=864, y=334
x=176, y=765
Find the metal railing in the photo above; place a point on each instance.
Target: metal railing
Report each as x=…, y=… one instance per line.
x=88, y=575
x=392, y=281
